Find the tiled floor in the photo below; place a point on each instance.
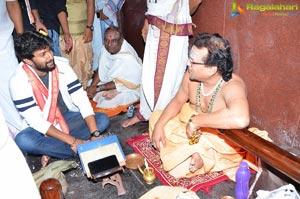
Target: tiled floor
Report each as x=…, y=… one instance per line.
x=80, y=187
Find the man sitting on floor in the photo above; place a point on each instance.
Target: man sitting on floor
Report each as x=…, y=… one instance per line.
x=210, y=95
x=57, y=114
x=119, y=74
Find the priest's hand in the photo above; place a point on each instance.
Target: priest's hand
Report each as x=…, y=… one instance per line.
x=193, y=132
x=158, y=137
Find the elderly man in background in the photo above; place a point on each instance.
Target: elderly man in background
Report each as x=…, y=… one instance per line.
x=117, y=81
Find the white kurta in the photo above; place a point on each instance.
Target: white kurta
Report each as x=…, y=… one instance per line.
x=16, y=178
x=122, y=68
x=9, y=63
x=177, y=55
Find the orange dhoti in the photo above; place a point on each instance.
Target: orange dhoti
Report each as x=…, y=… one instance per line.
x=217, y=153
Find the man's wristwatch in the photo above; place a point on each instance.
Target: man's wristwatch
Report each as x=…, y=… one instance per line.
x=90, y=27
x=96, y=133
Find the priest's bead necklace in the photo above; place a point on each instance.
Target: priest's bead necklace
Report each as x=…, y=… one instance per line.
x=196, y=135
x=214, y=91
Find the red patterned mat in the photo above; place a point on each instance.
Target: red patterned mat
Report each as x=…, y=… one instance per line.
x=141, y=144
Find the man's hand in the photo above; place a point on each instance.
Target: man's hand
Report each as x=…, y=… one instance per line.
x=88, y=35
x=69, y=42
x=145, y=30
x=40, y=26
x=158, y=137
x=193, y=133
x=91, y=91
x=189, y=131
x=77, y=142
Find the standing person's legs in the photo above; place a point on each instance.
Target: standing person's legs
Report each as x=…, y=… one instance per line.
x=55, y=39
x=175, y=68
x=96, y=43
x=148, y=75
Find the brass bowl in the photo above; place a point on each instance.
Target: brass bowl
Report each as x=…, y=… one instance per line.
x=134, y=160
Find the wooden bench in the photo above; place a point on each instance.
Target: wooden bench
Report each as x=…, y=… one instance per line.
x=276, y=157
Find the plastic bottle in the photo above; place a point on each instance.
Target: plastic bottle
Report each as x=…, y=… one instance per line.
x=242, y=181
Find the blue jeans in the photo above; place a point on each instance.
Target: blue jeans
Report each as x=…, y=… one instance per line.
x=31, y=141
x=55, y=39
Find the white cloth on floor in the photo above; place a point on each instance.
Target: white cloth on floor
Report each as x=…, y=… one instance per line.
x=284, y=192
x=162, y=192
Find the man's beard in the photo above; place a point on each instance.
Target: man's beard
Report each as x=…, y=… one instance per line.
x=45, y=68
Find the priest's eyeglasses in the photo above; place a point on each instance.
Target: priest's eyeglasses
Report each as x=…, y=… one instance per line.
x=197, y=63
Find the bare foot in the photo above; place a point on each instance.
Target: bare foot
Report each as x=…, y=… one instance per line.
x=131, y=122
x=110, y=94
x=44, y=160
x=196, y=162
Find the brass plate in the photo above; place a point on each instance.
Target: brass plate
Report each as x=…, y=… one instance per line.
x=133, y=160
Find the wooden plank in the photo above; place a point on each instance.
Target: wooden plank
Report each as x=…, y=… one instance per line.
x=268, y=152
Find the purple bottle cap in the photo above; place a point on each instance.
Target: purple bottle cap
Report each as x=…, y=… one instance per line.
x=244, y=164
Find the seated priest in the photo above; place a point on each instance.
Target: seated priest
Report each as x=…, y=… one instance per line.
x=210, y=97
